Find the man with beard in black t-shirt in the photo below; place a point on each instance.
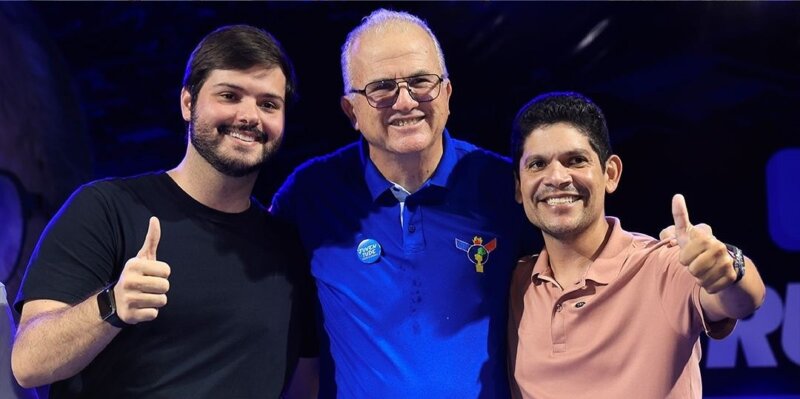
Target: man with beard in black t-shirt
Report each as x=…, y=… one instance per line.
x=178, y=284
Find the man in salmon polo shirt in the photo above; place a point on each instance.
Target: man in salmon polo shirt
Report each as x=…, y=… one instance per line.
x=601, y=312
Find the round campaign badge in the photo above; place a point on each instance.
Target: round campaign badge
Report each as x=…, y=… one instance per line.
x=369, y=251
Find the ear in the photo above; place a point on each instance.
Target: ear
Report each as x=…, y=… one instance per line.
x=517, y=190
x=613, y=173
x=448, y=91
x=186, y=105
x=347, y=106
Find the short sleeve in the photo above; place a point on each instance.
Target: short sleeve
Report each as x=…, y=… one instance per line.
x=678, y=291
x=76, y=254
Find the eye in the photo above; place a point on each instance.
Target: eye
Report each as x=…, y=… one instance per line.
x=534, y=164
x=422, y=81
x=578, y=160
x=228, y=96
x=270, y=105
x=382, y=86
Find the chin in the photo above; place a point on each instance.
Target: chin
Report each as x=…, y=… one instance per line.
x=413, y=144
x=558, y=229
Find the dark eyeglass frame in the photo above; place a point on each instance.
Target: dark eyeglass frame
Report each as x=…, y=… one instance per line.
x=374, y=104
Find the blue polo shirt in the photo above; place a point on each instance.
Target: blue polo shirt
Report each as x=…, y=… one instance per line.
x=416, y=309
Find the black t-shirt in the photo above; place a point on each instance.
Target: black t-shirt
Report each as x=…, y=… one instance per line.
x=240, y=306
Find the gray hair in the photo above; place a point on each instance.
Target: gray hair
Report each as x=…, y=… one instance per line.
x=377, y=21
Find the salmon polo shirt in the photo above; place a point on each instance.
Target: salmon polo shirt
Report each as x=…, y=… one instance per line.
x=629, y=329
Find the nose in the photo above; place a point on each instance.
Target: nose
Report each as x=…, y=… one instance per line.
x=404, y=100
x=557, y=175
x=247, y=112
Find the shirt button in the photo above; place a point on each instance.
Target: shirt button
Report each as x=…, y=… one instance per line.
x=412, y=228
x=580, y=304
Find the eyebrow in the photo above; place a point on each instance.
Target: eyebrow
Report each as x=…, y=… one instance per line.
x=579, y=152
x=415, y=73
x=239, y=88
x=570, y=153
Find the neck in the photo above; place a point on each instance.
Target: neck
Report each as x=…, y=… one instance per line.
x=211, y=188
x=570, y=257
x=408, y=170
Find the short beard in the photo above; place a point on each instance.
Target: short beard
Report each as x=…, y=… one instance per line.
x=207, y=145
x=563, y=233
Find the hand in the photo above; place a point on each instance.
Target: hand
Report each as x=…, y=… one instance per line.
x=142, y=286
x=669, y=233
x=705, y=257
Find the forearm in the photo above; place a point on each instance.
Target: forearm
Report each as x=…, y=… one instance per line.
x=738, y=300
x=56, y=341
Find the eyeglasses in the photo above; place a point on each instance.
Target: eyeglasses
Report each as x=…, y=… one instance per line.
x=384, y=93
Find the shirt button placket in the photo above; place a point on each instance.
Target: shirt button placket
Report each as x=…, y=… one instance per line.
x=559, y=330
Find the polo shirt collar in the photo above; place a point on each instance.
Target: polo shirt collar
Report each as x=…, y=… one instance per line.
x=607, y=265
x=378, y=185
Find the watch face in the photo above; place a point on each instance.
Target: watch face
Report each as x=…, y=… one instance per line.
x=104, y=303
x=108, y=308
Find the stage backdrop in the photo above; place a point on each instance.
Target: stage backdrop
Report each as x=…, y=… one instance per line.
x=701, y=98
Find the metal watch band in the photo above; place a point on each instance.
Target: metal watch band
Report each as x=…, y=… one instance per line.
x=738, y=261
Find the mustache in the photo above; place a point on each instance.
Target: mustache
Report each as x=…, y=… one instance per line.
x=259, y=134
x=570, y=190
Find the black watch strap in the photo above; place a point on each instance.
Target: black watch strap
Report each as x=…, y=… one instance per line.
x=738, y=261
x=108, y=307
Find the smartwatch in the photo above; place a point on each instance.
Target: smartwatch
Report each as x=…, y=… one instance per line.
x=738, y=261
x=108, y=307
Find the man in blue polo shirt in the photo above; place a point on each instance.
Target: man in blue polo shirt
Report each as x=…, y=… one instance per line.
x=412, y=234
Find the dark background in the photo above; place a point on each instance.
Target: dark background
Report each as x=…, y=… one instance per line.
x=699, y=97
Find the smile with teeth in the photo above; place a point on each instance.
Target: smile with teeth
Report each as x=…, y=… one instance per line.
x=406, y=122
x=242, y=136
x=561, y=200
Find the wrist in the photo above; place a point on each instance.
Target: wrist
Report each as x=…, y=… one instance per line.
x=107, y=304
x=738, y=261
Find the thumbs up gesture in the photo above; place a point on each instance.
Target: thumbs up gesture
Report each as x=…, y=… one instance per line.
x=142, y=286
x=705, y=257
